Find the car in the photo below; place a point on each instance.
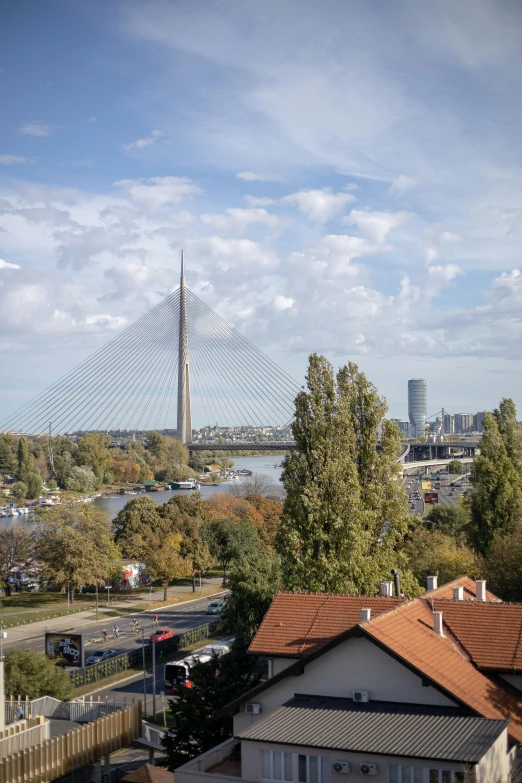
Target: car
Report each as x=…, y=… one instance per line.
x=161, y=634
x=99, y=656
x=216, y=607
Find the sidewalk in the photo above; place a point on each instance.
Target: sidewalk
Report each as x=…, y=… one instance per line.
x=72, y=621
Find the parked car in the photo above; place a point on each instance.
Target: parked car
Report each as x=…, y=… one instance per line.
x=161, y=634
x=99, y=656
x=216, y=607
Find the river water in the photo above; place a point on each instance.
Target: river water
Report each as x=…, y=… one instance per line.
x=258, y=465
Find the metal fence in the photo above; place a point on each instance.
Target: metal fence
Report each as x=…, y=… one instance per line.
x=132, y=659
x=80, y=711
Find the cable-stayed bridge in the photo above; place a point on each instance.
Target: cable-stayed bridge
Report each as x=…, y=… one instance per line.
x=178, y=363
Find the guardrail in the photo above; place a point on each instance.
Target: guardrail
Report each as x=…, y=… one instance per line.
x=133, y=658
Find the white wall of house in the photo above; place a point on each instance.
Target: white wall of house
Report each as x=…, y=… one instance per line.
x=279, y=664
x=356, y=664
x=495, y=766
x=251, y=763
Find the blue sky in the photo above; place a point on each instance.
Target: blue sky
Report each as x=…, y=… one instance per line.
x=345, y=177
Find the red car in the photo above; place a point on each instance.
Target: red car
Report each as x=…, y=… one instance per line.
x=161, y=634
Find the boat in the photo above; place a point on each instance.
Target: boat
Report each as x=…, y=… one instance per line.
x=188, y=484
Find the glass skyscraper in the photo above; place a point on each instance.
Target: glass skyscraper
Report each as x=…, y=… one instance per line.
x=417, y=406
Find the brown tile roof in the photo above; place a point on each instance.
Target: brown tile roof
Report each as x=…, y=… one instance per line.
x=491, y=633
x=407, y=633
x=470, y=594
x=299, y=623
x=149, y=774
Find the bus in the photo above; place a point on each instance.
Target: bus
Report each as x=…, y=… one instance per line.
x=177, y=673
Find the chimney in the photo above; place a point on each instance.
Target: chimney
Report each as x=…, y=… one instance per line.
x=365, y=615
x=480, y=589
x=431, y=582
x=458, y=593
x=437, y=623
x=386, y=589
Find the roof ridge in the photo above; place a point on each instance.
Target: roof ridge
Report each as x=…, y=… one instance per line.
x=337, y=595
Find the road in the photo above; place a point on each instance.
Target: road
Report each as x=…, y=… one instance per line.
x=448, y=494
x=180, y=617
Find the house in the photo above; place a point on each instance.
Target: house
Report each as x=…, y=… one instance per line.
x=425, y=690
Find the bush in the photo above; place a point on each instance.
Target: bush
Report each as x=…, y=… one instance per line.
x=30, y=673
x=81, y=480
x=19, y=490
x=52, y=485
x=34, y=485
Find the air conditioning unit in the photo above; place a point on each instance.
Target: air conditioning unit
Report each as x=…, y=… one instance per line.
x=361, y=696
x=252, y=708
x=368, y=769
x=341, y=766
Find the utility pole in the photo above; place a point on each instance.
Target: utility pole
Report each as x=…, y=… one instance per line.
x=144, y=674
x=154, y=678
x=184, y=416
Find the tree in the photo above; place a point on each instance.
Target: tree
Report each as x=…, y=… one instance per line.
x=15, y=553
x=30, y=673
x=504, y=565
x=19, y=490
x=23, y=459
x=214, y=685
x=75, y=545
x=94, y=454
x=229, y=540
x=132, y=525
x=345, y=514
x=253, y=585
x=257, y=484
x=81, y=480
x=52, y=485
x=451, y=520
x=7, y=460
x=270, y=510
x=34, y=485
x=163, y=556
x=154, y=442
x=435, y=553
x=496, y=498
x=455, y=466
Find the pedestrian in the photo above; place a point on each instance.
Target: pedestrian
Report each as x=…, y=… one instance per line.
x=156, y=619
x=104, y=635
x=21, y=715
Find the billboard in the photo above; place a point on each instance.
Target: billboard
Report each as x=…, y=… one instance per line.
x=425, y=484
x=65, y=648
x=431, y=497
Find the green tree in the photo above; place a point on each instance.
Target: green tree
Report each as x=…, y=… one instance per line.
x=52, y=485
x=163, y=556
x=34, y=485
x=132, y=525
x=438, y=554
x=253, y=584
x=19, y=490
x=94, y=454
x=455, y=466
x=7, y=459
x=229, y=540
x=196, y=727
x=15, y=553
x=154, y=442
x=451, y=520
x=24, y=460
x=75, y=545
x=504, y=565
x=81, y=479
x=496, y=498
x=345, y=514
x=30, y=673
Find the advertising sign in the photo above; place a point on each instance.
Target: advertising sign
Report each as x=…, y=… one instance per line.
x=65, y=648
x=431, y=497
x=425, y=484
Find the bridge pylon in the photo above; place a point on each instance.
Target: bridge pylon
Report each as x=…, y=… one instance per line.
x=184, y=422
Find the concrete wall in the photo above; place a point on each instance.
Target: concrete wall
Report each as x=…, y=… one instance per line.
x=496, y=765
x=251, y=763
x=278, y=664
x=356, y=664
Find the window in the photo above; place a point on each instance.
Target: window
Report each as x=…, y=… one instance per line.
x=276, y=772
x=313, y=764
x=265, y=764
x=301, y=769
x=406, y=774
x=288, y=767
x=294, y=767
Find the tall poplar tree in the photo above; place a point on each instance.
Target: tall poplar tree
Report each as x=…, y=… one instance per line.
x=24, y=460
x=496, y=500
x=345, y=515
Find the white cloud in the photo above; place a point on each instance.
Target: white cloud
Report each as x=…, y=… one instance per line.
x=237, y=220
x=430, y=254
x=35, y=128
x=9, y=160
x=251, y=176
x=7, y=265
x=261, y=201
x=148, y=141
x=375, y=225
x=442, y=274
x=448, y=236
x=157, y=192
x=283, y=303
x=401, y=185
x=319, y=205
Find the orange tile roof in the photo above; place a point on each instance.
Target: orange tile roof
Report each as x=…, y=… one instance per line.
x=470, y=593
x=490, y=632
x=299, y=623
x=407, y=632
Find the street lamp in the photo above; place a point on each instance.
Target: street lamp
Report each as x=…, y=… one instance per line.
x=108, y=588
x=144, y=674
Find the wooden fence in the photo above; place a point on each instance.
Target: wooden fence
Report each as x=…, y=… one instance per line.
x=55, y=757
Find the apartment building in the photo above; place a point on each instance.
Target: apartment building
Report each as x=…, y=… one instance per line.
x=427, y=690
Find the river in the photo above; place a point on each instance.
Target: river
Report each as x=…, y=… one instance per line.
x=258, y=465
